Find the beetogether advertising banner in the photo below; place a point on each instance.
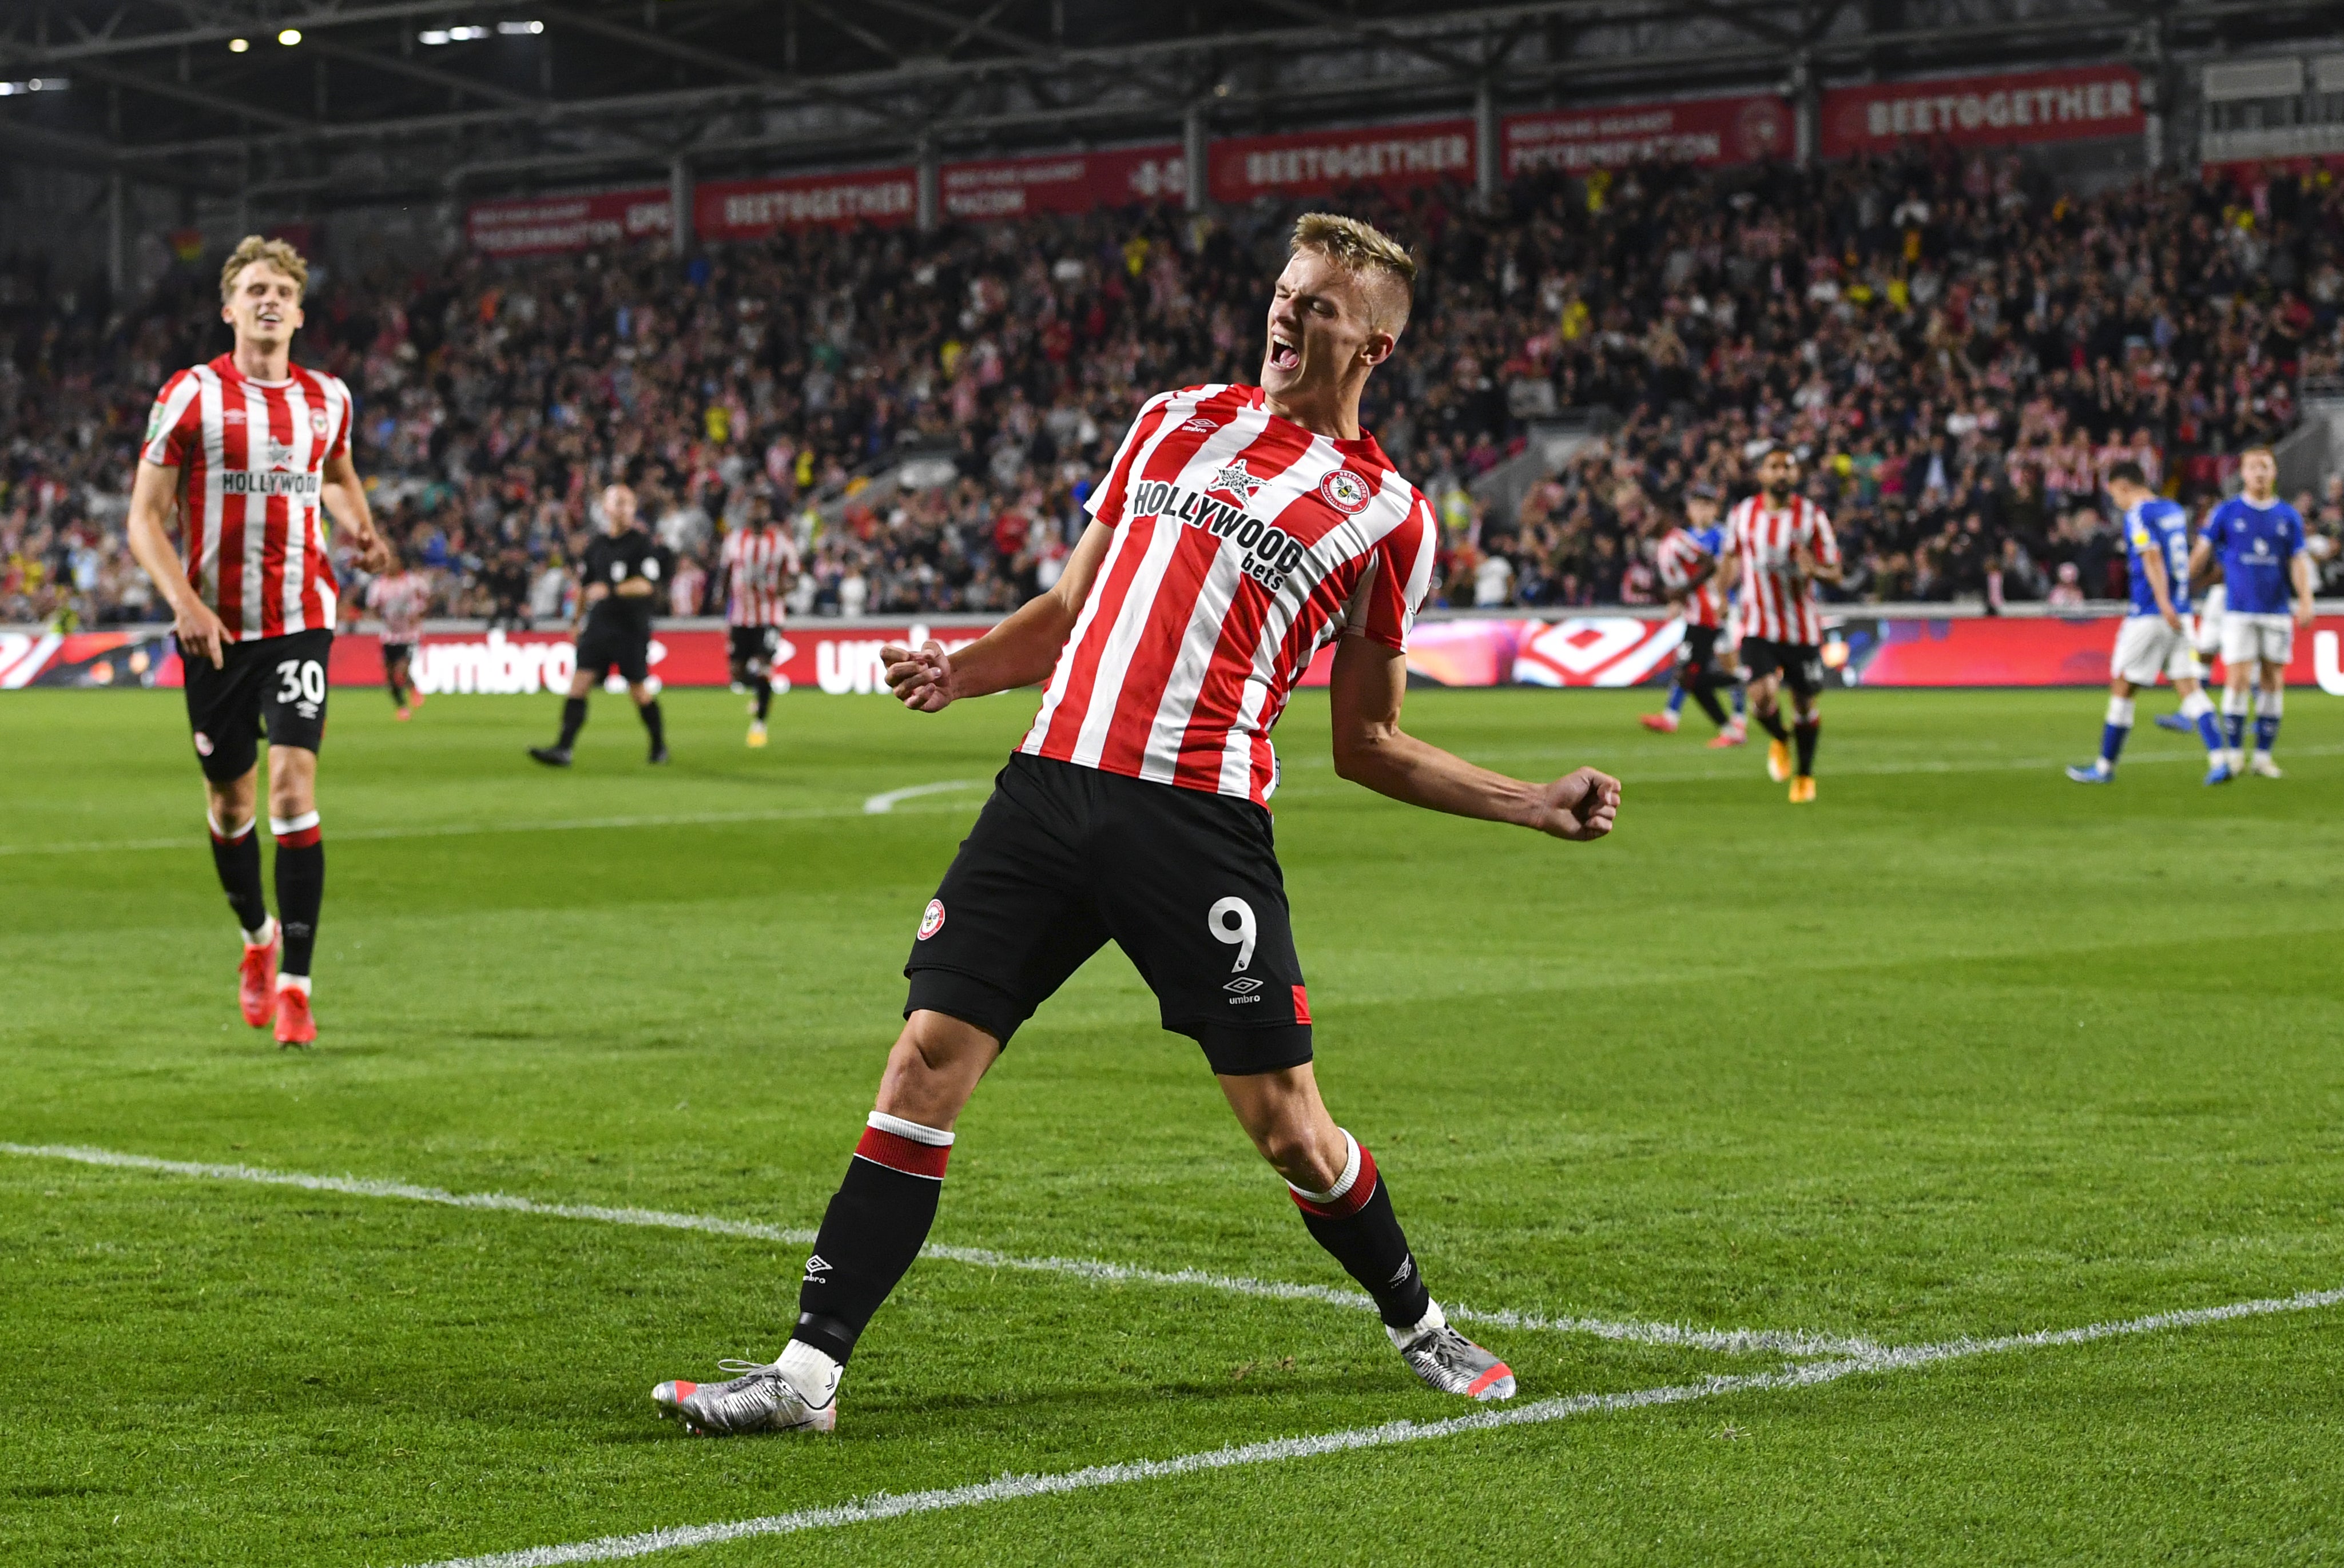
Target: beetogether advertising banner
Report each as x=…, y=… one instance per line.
x=1587, y=650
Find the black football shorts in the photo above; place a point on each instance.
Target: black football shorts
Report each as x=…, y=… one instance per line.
x=275, y=684
x=1064, y=859
x=607, y=644
x=752, y=648
x=1800, y=663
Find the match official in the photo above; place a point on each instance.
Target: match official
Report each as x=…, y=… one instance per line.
x=622, y=570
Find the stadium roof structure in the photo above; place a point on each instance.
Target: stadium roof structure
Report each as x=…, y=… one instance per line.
x=327, y=103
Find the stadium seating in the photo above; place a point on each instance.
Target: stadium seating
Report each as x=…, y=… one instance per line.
x=1962, y=347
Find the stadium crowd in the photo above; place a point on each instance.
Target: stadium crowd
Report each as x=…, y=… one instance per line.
x=1959, y=348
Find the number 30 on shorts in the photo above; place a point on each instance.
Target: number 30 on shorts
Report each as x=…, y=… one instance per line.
x=1240, y=935
x=306, y=678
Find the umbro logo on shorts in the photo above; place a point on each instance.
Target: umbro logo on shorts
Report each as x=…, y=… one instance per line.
x=1243, y=985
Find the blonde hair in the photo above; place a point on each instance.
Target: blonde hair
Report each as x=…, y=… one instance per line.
x=275, y=252
x=1368, y=252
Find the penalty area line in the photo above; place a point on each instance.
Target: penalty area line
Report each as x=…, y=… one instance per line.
x=1011, y=1488
x=1730, y=1341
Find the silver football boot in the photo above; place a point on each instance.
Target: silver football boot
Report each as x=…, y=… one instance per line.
x=757, y=1398
x=1448, y=1362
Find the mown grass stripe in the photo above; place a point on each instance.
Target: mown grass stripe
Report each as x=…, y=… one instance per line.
x=1731, y=1342
x=1011, y=1488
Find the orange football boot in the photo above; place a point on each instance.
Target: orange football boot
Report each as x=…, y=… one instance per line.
x=1803, y=790
x=255, y=982
x=294, y=1024
x=1778, y=760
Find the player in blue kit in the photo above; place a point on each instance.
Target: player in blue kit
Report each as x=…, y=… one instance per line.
x=2261, y=540
x=2154, y=639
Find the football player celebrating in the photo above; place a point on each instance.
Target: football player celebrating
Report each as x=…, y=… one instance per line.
x=252, y=452
x=2154, y=639
x=1778, y=545
x=758, y=561
x=1687, y=558
x=2261, y=542
x=1239, y=529
x=622, y=569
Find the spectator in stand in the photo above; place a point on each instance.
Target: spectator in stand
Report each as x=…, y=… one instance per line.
x=1940, y=339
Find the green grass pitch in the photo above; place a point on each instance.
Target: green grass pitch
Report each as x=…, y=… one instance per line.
x=1963, y=1050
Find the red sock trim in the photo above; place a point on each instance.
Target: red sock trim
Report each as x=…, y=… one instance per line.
x=1363, y=1187
x=901, y=1154
x=300, y=841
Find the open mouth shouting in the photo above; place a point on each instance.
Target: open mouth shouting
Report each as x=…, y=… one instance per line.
x=1285, y=355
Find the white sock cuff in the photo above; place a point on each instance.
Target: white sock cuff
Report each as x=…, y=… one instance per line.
x=1350, y=1173
x=813, y=1371
x=2195, y=705
x=220, y=832
x=1434, y=1318
x=266, y=934
x=910, y=1132
x=2271, y=704
x=2234, y=701
x=293, y=982
x=283, y=825
x=2120, y=712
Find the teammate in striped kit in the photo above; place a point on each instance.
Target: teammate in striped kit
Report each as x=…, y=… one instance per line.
x=252, y=451
x=759, y=561
x=399, y=600
x=1240, y=530
x=1687, y=558
x=1778, y=544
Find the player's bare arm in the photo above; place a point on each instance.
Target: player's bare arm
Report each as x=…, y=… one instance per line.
x=153, y=505
x=1020, y=651
x=2299, y=568
x=1812, y=567
x=1370, y=681
x=345, y=500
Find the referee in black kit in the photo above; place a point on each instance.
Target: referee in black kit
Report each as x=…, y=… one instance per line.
x=624, y=571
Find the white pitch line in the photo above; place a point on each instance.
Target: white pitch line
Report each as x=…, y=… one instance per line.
x=476, y=829
x=1730, y=1341
x=880, y=805
x=1010, y=1488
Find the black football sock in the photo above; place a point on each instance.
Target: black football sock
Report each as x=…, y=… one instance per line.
x=872, y=1230
x=1808, y=731
x=1707, y=698
x=1354, y=1222
x=655, y=722
x=764, y=690
x=301, y=886
x=1771, y=723
x=574, y=719
x=237, y=858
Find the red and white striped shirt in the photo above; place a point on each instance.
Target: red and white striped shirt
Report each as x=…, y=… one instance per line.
x=402, y=602
x=1243, y=544
x=758, y=565
x=251, y=457
x=1773, y=602
x=1678, y=558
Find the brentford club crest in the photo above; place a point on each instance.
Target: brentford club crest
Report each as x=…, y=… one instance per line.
x=1346, y=492
x=1235, y=480
x=318, y=423
x=934, y=920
